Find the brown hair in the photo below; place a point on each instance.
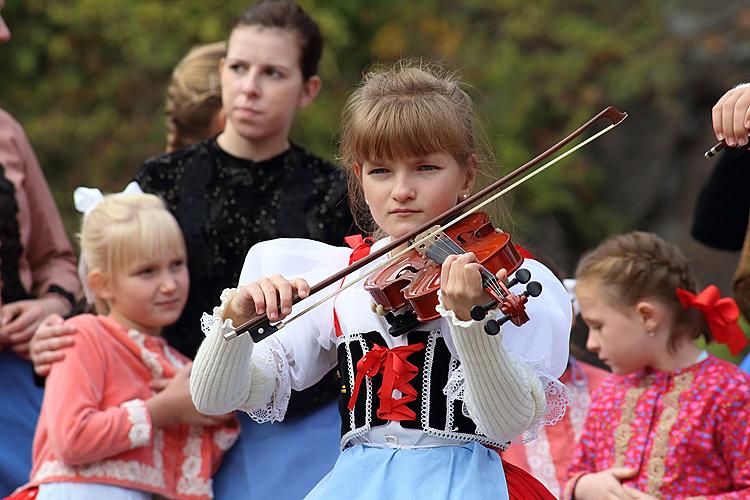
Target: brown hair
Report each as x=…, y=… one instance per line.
x=287, y=15
x=639, y=265
x=410, y=109
x=194, y=95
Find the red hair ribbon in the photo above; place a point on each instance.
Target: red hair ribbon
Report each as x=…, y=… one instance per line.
x=721, y=315
x=397, y=372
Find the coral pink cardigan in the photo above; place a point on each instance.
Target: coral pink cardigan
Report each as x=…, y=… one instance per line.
x=94, y=425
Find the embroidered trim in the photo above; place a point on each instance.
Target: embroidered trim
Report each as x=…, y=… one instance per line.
x=655, y=467
x=453, y=390
x=190, y=482
x=624, y=432
x=140, y=425
x=225, y=439
x=169, y=353
x=132, y=471
x=149, y=358
x=356, y=432
x=449, y=433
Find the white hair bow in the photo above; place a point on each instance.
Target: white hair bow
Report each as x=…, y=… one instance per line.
x=570, y=286
x=85, y=199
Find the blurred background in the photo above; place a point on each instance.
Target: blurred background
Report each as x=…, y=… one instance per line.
x=86, y=78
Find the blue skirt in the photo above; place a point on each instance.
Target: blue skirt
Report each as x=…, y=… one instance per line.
x=466, y=472
x=280, y=461
x=20, y=403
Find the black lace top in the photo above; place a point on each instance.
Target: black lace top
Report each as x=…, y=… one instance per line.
x=226, y=204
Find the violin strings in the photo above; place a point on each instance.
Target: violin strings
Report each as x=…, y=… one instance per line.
x=450, y=247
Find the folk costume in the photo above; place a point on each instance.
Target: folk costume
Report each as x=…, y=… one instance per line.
x=418, y=410
x=94, y=427
x=685, y=431
x=224, y=205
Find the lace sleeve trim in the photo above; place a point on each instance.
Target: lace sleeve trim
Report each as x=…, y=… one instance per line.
x=208, y=321
x=140, y=424
x=270, y=371
x=557, y=396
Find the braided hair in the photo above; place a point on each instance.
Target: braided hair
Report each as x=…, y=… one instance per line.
x=639, y=266
x=194, y=96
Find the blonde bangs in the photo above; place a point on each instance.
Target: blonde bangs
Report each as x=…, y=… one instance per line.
x=147, y=237
x=126, y=229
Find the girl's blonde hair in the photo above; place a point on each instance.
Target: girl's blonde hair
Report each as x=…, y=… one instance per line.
x=408, y=110
x=194, y=95
x=124, y=229
x=639, y=265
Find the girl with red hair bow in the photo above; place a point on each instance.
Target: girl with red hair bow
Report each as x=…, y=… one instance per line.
x=671, y=422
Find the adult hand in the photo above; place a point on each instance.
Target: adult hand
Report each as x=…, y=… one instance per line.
x=173, y=404
x=461, y=284
x=49, y=342
x=604, y=485
x=731, y=116
x=19, y=320
x=273, y=294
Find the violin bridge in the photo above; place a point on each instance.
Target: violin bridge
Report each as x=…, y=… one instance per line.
x=428, y=238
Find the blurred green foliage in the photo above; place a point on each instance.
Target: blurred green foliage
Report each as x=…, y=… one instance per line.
x=86, y=78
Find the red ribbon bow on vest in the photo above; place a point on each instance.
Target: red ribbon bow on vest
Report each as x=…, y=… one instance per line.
x=397, y=372
x=721, y=315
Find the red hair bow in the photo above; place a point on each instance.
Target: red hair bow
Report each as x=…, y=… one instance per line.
x=721, y=315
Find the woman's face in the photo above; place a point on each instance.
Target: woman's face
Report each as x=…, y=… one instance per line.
x=262, y=84
x=405, y=193
x=4, y=30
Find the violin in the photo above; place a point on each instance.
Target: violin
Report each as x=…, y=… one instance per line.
x=260, y=327
x=410, y=283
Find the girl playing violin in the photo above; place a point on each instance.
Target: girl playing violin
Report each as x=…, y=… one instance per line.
x=420, y=410
x=672, y=420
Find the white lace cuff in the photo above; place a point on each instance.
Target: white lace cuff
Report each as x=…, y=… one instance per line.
x=558, y=397
x=271, y=385
x=140, y=423
x=208, y=321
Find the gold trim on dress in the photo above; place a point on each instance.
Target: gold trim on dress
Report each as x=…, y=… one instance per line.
x=655, y=468
x=624, y=430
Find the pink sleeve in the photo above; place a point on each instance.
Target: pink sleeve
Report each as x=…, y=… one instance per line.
x=80, y=430
x=49, y=252
x=733, y=440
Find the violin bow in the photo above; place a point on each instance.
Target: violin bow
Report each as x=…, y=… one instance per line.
x=260, y=326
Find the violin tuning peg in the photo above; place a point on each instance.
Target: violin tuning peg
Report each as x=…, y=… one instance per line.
x=478, y=312
x=533, y=289
x=521, y=276
x=492, y=327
